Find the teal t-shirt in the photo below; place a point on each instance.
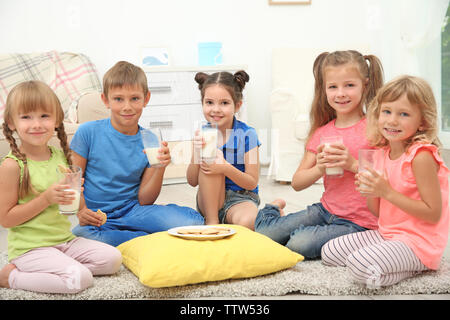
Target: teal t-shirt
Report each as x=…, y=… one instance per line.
x=49, y=227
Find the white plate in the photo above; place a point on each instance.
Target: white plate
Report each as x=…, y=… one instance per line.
x=174, y=232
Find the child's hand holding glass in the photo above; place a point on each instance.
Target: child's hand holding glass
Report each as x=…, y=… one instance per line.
x=197, y=145
x=59, y=194
x=218, y=166
x=370, y=183
x=164, y=156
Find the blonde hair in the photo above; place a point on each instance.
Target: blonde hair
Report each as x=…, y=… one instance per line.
x=27, y=97
x=418, y=92
x=124, y=74
x=370, y=69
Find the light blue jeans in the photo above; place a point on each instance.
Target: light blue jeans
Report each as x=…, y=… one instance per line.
x=304, y=232
x=134, y=220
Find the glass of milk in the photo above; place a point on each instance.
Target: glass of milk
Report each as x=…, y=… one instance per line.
x=151, y=139
x=328, y=143
x=367, y=158
x=209, y=133
x=70, y=176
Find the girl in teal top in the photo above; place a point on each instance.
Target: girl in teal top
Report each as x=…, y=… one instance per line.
x=44, y=255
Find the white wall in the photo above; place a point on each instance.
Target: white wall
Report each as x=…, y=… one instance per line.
x=112, y=30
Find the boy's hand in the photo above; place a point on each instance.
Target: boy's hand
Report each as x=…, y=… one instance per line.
x=88, y=217
x=164, y=154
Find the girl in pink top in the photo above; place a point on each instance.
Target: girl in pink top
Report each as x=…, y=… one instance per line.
x=410, y=196
x=345, y=82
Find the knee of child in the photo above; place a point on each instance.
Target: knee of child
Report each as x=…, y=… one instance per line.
x=370, y=275
x=115, y=261
x=108, y=260
x=332, y=254
x=304, y=246
x=326, y=253
x=247, y=221
x=78, y=278
x=87, y=279
x=352, y=265
x=243, y=214
x=268, y=232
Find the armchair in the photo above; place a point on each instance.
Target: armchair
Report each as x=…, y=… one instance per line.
x=72, y=76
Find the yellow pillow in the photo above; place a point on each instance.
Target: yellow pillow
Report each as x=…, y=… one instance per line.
x=163, y=260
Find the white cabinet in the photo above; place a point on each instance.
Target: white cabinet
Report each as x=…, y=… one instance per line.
x=175, y=107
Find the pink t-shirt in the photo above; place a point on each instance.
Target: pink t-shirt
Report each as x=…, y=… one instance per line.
x=340, y=196
x=427, y=240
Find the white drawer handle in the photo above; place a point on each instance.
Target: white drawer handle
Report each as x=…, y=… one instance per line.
x=160, y=89
x=160, y=124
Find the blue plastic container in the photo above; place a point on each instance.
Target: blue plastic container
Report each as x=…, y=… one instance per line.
x=209, y=53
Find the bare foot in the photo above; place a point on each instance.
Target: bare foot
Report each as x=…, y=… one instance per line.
x=4, y=275
x=280, y=203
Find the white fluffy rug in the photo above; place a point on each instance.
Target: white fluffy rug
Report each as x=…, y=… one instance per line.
x=307, y=277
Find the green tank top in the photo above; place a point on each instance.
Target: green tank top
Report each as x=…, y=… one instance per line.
x=49, y=227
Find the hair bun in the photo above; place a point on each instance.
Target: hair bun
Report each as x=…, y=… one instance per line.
x=241, y=77
x=200, y=78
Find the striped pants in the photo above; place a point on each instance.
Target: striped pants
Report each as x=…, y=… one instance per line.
x=371, y=259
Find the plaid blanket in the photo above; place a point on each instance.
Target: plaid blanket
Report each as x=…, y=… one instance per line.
x=70, y=75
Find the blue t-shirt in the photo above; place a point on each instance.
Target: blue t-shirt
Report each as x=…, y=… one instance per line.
x=115, y=164
x=242, y=139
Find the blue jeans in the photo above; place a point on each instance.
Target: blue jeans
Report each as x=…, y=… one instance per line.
x=304, y=232
x=134, y=220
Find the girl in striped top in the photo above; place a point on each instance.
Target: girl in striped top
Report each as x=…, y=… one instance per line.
x=410, y=196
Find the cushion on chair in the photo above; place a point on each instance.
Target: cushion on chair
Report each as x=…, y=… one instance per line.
x=70, y=75
x=91, y=107
x=163, y=260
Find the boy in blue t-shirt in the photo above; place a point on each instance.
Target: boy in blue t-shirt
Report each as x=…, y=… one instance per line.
x=118, y=178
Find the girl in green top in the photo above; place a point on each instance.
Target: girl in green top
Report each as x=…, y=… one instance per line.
x=44, y=255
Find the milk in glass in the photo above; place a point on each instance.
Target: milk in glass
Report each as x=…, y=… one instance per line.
x=70, y=176
x=70, y=209
x=152, y=156
x=210, y=148
x=151, y=139
x=328, y=141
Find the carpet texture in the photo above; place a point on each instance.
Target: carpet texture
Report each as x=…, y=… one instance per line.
x=307, y=277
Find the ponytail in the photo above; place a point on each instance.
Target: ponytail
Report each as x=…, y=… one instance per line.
x=375, y=76
x=320, y=113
